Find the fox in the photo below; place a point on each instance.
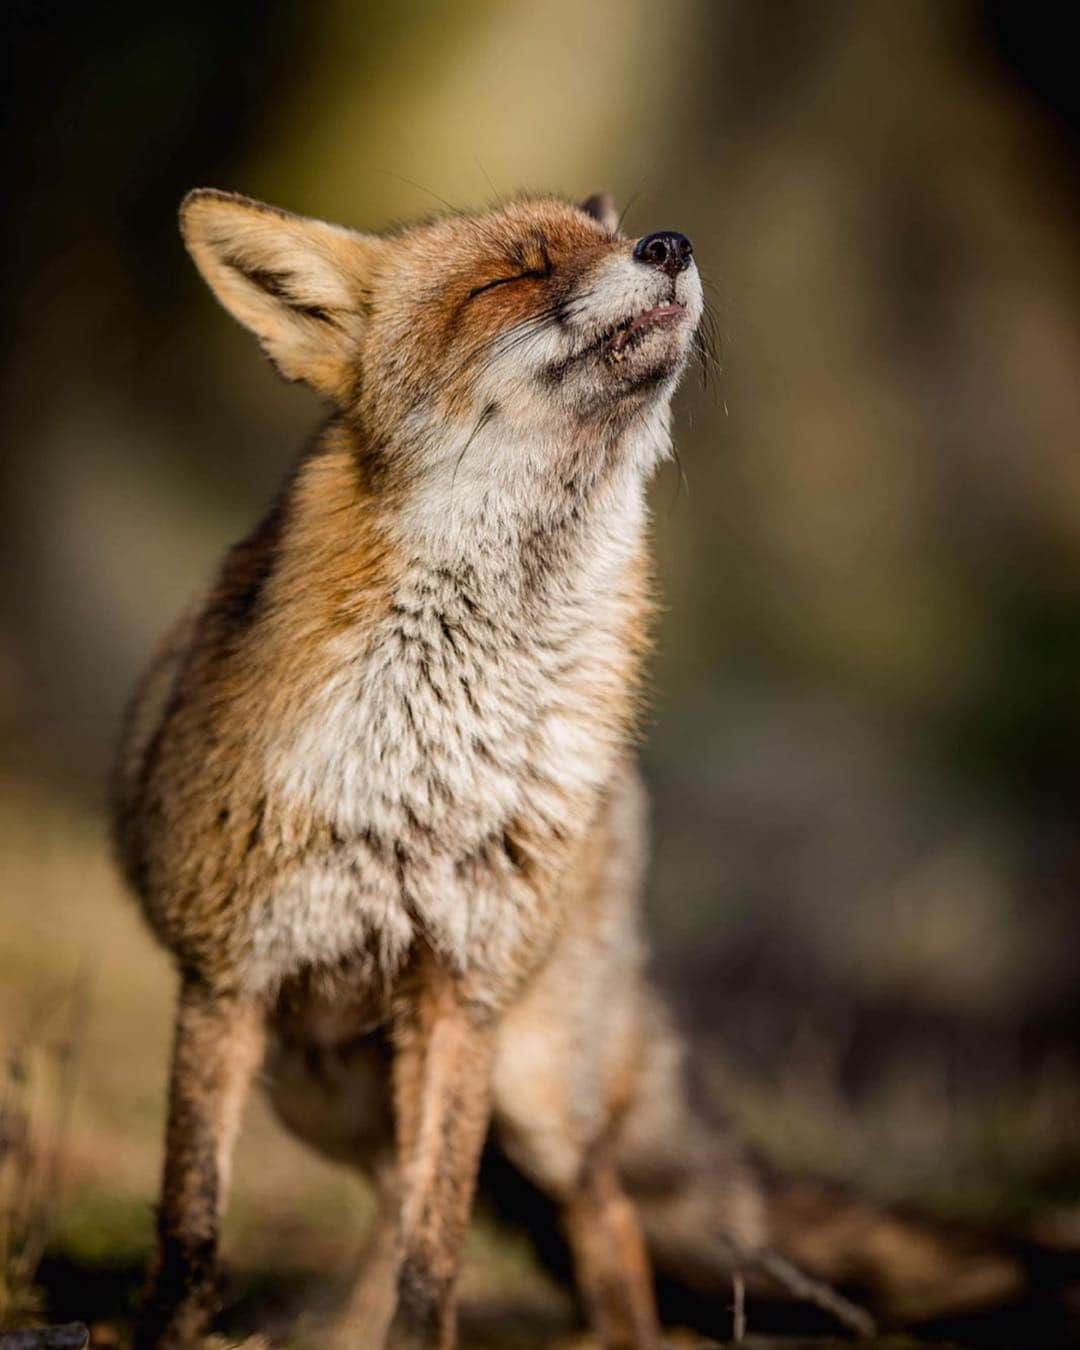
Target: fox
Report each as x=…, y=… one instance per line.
x=383, y=776
x=377, y=793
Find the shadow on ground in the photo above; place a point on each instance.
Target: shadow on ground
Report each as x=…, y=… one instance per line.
x=288, y=1306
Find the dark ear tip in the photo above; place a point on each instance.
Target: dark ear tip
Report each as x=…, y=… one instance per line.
x=197, y=196
x=601, y=206
x=201, y=194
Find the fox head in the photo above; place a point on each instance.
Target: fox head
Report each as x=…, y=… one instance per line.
x=532, y=331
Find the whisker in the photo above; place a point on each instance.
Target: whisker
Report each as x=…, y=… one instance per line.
x=502, y=344
x=478, y=225
x=705, y=344
x=486, y=414
x=682, y=483
x=489, y=348
x=631, y=200
x=494, y=190
x=392, y=173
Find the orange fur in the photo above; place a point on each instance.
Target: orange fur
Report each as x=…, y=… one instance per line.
x=377, y=779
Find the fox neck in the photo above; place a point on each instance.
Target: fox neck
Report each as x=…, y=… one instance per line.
x=522, y=508
x=484, y=688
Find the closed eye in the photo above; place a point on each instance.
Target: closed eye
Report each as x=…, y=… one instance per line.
x=533, y=274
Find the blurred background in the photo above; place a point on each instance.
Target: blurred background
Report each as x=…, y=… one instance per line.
x=867, y=690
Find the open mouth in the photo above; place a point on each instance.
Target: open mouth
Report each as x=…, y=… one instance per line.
x=625, y=336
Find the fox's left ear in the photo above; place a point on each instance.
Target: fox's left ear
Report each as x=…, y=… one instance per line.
x=298, y=284
x=601, y=206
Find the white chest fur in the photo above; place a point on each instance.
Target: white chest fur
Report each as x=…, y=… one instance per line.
x=483, y=698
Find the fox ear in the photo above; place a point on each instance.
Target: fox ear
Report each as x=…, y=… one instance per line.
x=601, y=206
x=298, y=284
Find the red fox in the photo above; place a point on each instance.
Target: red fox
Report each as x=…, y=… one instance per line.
x=383, y=776
x=377, y=793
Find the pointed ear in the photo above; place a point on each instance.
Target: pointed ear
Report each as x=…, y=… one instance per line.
x=298, y=284
x=601, y=206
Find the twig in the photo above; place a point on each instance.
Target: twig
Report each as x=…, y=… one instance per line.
x=801, y=1286
x=738, y=1310
x=69, y=1056
x=822, y=1295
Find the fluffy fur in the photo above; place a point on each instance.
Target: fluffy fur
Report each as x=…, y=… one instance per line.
x=376, y=792
x=382, y=777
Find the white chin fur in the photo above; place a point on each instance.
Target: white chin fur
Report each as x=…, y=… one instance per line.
x=617, y=289
x=507, y=472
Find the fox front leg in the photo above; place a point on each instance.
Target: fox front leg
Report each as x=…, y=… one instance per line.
x=442, y=1082
x=217, y=1048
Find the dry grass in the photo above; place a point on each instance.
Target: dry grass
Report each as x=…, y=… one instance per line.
x=23, y=1202
x=36, y=1097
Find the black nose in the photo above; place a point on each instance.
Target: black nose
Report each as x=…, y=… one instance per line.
x=667, y=249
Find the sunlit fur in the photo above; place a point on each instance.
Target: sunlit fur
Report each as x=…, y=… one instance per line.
x=382, y=773
x=443, y=617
